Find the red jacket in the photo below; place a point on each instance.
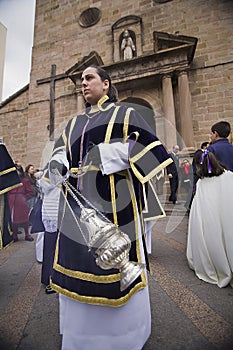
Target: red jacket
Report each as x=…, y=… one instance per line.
x=185, y=168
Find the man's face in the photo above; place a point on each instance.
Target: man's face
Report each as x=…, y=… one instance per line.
x=93, y=88
x=213, y=136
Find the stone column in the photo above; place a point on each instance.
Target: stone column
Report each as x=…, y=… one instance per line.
x=186, y=124
x=80, y=100
x=169, y=112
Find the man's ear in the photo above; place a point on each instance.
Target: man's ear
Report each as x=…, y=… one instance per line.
x=106, y=84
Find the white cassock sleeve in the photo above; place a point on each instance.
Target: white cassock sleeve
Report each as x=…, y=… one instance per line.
x=114, y=157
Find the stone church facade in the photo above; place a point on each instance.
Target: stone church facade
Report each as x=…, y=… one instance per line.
x=177, y=70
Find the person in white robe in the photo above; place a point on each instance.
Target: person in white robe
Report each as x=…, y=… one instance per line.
x=50, y=208
x=210, y=238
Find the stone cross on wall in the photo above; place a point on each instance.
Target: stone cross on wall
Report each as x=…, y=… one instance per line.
x=52, y=79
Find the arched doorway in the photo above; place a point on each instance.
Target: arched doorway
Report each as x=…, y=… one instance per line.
x=144, y=108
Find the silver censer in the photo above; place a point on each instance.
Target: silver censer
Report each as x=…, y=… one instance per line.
x=112, y=247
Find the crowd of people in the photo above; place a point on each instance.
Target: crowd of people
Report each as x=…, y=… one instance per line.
x=208, y=184
x=210, y=239
x=21, y=191
x=92, y=196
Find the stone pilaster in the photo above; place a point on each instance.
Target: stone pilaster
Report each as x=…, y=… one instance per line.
x=80, y=99
x=169, y=112
x=186, y=125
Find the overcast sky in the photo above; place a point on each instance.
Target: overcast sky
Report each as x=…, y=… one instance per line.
x=18, y=17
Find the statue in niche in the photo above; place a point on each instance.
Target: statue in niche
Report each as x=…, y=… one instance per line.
x=127, y=46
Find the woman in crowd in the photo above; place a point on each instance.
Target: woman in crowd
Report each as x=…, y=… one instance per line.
x=210, y=239
x=18, y=202
x=107, y=155
x=30, y=174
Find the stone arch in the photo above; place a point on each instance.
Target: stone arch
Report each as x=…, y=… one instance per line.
x=148, y=100
x=143, y=107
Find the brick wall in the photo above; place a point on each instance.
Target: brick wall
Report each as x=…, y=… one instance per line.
x=59, y=40
x=14, y=126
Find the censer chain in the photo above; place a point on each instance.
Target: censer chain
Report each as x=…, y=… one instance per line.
x=65, y=183
x=87, y=201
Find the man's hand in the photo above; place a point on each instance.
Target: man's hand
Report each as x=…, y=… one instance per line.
x=56, y=165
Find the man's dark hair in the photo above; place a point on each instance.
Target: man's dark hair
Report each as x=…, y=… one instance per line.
x=112, y=92
x=223, y=128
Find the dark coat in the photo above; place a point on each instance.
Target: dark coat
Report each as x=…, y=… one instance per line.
x=75, y=272
x=223, y=151
x=173, y=168
x=9, y=179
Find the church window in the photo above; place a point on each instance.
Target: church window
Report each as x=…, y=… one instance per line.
x=89, y=17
